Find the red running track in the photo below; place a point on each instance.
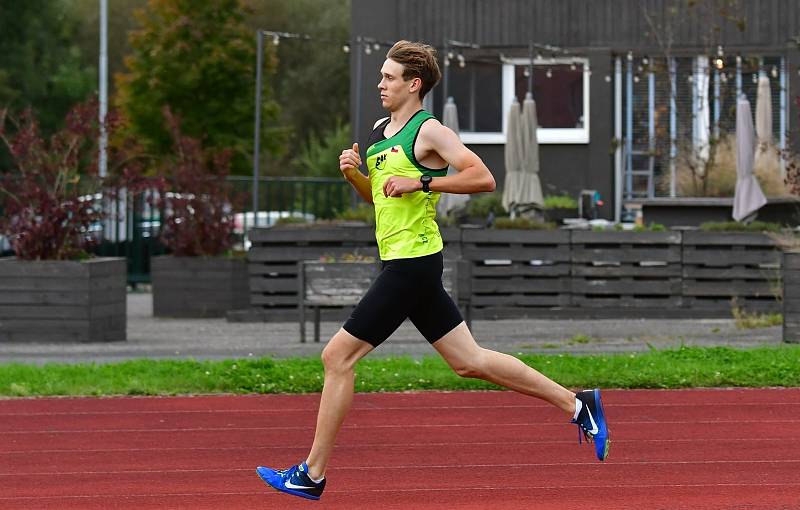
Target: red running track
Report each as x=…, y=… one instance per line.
x=692, y=449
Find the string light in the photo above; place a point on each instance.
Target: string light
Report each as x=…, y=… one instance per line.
x=346, y=48
x=720, y=53
x=630, y=56
x=738, y=60
x=608, y=78
x=376, y=47
x=690, y=78
x=645, y=61
x=719, y=63
x=276, y=39
x=774, y=72
x=640, y=69
x=461, y=61
x=450, y=55
x=549, y=73
x=368, y=50
x=526, y=72
x=636, y=79
x=755, y=78
x=572, y=67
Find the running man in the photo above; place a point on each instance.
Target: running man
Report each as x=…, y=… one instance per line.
x=407, y=158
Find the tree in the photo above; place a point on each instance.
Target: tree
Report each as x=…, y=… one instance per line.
x=41, y=67
x=198, y=59
x=312, y=79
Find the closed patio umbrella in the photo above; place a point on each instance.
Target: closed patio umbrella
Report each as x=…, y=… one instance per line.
x=748, y=198
x=512, y=188
x=532, y=191
x=450, y=201
x=764, y=111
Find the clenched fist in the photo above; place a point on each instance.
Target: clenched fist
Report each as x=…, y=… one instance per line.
x=349, y=161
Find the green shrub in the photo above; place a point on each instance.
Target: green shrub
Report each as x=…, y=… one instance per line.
x=504, y=222
x=481, y=205
x=735, y=226
x=362, y=212
x=560, y=202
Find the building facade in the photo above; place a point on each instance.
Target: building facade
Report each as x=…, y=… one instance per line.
x=621, y=85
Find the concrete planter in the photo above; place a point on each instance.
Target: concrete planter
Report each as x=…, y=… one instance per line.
x=198, y=286
x=62, y=301
x=791, y=297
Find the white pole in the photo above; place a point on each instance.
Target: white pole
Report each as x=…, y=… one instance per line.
x=103, y=86
x=618, y=135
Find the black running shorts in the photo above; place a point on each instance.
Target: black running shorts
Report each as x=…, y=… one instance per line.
x=405, y=288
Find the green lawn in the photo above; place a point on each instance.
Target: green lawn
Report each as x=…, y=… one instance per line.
x=675, y=368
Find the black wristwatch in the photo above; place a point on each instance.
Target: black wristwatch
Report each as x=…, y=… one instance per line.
x=426, y=183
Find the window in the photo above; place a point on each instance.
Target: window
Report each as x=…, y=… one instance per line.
x=561, y=91
x=483, y=93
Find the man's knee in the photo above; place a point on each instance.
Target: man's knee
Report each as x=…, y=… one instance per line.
x=470, y=366
x=341, y=354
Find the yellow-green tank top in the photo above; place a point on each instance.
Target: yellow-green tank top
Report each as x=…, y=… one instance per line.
x=405, y=227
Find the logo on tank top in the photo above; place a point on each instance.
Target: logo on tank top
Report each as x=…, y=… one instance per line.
x=380, y=162
x=395, y=148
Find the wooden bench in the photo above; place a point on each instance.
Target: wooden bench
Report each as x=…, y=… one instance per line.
x=343, y=284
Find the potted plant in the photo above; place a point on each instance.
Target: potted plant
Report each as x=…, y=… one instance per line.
x=559, y=207
x=201, y=277
x=52, y=288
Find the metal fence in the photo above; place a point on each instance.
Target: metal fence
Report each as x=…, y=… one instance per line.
x=133, y=226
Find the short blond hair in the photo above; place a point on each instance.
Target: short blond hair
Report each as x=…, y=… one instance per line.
x=418, y=61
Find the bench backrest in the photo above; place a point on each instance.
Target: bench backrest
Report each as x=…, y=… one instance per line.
x=345, y=283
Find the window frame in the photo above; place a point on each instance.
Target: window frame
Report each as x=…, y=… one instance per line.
x=544, y=135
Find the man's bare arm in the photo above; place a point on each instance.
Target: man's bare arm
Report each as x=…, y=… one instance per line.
x=349, y=163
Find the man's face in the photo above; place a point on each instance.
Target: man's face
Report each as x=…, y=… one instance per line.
x=395, y=91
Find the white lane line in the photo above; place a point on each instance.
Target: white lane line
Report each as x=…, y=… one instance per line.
x=391, y=426
x=372, y=446
x=387, y=408
x=414, y=466
x=411, y=490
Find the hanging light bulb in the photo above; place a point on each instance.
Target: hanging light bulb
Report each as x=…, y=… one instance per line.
x=446, y=62
x=549, y=73
x=346, y=48
x=719, y=63
x=572, y=66
x=276, y=39
x=461, y=61
x=630, y=55
x=368, y=50
x=640, y=69
x=645, y=61
x=690, y=78
x=636, y=79
x=720, y=53
x=526, y=72
x=608, y=78
x=774, y=72
x=376, y=47
x=450, y=54
x=755, y=77
x=738, y=60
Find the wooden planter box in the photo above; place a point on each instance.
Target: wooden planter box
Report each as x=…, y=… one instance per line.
x=198, y=286
x=791, y=297
x=514, y=272
x=721, y=267
x=626, y=269
x=63, y=301
x=688, y=211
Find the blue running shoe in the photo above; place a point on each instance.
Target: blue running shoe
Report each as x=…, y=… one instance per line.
x=294, y=480
x=591, y=422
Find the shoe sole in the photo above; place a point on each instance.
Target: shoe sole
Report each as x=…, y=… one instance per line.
x=287, y=491
x=601, y=418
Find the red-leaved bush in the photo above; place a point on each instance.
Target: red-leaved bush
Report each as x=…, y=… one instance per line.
x=44, y=210
x=197, y=202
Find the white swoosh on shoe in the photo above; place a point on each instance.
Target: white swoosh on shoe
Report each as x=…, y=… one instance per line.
x=290, y=485
x=595, y=429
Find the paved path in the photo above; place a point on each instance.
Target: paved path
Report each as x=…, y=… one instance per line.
x=216, y=338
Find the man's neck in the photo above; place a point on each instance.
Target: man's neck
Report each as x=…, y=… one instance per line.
x=401, y=115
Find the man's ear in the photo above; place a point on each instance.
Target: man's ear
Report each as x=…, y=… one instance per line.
x=416, y=84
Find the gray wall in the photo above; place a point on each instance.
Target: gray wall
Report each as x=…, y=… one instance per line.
x=598, y=29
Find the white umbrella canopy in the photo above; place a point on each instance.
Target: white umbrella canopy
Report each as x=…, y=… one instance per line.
x=512, y=188
x=530, y=149
x=449, y=201
x=764, y=111
x=748, y=198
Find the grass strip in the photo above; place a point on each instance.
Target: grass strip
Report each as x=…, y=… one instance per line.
x=673, y=368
